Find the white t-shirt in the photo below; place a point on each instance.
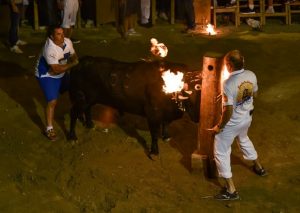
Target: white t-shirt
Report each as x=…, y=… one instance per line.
x=53, y=54
x=238, y=91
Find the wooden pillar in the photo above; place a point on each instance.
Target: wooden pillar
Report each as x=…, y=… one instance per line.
x=202, y=12
x=35, y=15
x=106, y=11
x=153, y=12
x=210, y=112
x=172, y=10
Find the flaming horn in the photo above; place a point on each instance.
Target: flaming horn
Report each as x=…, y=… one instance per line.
x=158, y=49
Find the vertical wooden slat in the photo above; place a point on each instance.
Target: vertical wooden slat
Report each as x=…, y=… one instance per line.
x=172, y=11
x=36, y=15
x=153, y=11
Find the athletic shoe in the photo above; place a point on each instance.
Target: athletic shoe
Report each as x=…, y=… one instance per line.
x=163, y=16
x=21, y=43
x=75, y=41
x=16, y=49
x=227, y=196
x=248, y=11
x=260, y=172
x=270, y=10
x=51, y=135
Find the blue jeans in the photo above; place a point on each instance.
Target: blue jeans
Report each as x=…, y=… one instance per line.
x=14, y=25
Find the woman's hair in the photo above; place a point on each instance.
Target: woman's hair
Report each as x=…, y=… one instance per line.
x=235, y=59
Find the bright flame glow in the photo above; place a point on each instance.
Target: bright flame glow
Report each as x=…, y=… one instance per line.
x=158, y=49
x=224, y=75
x=173, y=82
x=210, y=30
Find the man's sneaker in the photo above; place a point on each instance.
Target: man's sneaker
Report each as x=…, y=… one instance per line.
x=260, y=172
x=21, y=43
x=51, y=135
x=75, y=41
x=270, y=10
x=163, y=16
x=16, y=49
x=248, y=11
x=227, y=196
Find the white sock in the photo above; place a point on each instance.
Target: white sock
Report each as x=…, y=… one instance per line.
x=251, y=6
x=49, y=127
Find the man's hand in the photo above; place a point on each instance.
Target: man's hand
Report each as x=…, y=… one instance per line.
x=215, y=129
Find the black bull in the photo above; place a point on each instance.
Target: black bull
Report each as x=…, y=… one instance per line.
x=135, y=88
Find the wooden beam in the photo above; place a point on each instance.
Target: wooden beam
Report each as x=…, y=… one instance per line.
x=153, y=12
x=210, y=111
x=36, y=15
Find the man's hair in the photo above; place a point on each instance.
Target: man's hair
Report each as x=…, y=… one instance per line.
x=235, y=58
x=51, y=29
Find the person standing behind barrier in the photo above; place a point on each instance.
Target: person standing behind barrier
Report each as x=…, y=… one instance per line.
x=189, y=15
x=238, y=93
x=127, y=19
x=57, y=57
x=15, y=16
x=69, y=14
x=145, y=13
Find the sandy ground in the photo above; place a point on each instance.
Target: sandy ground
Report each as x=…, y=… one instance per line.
x=109, y=171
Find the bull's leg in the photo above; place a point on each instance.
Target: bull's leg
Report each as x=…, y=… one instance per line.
x=154, y=131
x=73, y=116
x=165, y=133
x=88, y=118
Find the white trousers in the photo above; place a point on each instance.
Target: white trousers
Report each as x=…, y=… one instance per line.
x=69, y=13
x=223, y=142
x=145, y=11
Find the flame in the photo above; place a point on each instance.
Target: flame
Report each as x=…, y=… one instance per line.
x=225, y=73
x=173, y=82
x=158, y=49
x=210, y=30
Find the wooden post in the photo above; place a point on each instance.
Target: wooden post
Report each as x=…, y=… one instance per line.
x=36, y=15
x=172, y=9
x=202, y=12
x=153, y=12
x=210, y=111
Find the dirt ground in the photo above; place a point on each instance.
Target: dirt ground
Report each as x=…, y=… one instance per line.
x=109, y=171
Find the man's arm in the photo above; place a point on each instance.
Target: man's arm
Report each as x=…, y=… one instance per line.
x=56, y=69
x=226, y=115
x=14, y=6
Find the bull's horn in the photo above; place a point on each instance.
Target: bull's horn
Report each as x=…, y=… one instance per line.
x=180, y=97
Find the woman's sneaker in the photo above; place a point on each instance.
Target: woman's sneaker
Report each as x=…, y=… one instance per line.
x=225, y=195
x=16, y=49
x=51, y=135
x=21, y=43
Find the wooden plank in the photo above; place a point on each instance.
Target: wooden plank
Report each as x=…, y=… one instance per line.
x=35, y=15
x=172, y=10
x=202, y=11
x=153, y=12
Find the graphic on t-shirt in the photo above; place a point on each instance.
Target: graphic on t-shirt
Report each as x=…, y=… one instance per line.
x=245, y=92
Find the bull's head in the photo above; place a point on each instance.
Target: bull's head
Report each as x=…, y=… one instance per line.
x=190, y=95
x=185, y=90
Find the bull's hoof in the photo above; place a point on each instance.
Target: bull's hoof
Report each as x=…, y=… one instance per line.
x=166, y=139
x=153, y=156
x=90, y=125
x=72, y=137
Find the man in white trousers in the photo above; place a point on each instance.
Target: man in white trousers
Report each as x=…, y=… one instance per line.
x=238, y=93
x=145, y=13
